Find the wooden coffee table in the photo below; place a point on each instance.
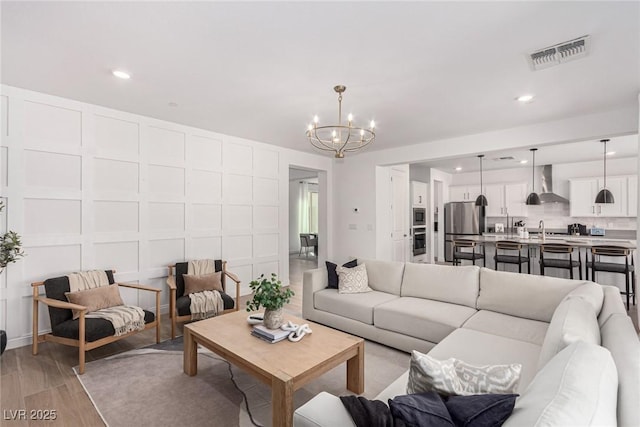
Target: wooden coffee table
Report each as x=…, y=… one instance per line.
x=285, y=366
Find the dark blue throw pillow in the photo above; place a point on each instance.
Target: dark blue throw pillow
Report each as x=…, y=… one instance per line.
x=420, y=410
x=332, y=276
x=480, y=410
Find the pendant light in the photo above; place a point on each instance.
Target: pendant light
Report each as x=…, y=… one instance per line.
x=533, y=198
x=604, y=195
x=481, y=200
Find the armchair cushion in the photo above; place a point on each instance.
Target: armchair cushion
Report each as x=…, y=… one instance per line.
x=204, y=282
x=182, y=269
x=183, y=304
x=95, y=329
x=96, y=298
x=56, y=288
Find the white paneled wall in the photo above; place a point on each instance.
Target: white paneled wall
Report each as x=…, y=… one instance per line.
x=88, y=187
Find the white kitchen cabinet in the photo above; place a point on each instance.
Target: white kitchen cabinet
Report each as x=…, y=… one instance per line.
x=583, y=195
x=419, y=194
x=463, y=193
x=632, y=199
x=507, y=199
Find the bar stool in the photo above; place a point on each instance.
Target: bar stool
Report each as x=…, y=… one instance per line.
x=509, y=258
x=459, y=254
x=565, y=263
x=614, y=267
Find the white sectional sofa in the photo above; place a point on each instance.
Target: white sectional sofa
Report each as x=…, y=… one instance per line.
x=485, y=317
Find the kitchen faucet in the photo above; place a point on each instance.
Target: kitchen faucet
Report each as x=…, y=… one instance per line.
x=541, y=227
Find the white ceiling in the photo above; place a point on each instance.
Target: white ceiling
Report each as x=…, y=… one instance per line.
x=422, y=70
x=582, y=151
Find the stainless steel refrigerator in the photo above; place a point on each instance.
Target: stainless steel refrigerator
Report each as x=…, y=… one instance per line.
x=461, y=219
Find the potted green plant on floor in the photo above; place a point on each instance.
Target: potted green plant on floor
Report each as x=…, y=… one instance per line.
x=270, y=294
x=10, y=251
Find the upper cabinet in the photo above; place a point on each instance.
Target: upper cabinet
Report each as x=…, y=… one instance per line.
x=583, y=195
x=419, y=194
x=507, y=199
x=463, y=193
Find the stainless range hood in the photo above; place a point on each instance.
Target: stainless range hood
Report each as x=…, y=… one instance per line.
x=547, y=195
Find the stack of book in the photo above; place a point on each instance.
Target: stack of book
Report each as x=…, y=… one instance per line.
x=269, y=335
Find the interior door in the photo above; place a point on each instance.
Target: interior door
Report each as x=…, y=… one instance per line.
x=400, y=215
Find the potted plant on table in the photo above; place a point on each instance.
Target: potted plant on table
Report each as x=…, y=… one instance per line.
x=10, y=251
x=270, y=294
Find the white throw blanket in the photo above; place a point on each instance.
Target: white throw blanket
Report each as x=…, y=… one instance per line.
x=206, y=303
x=124, y=318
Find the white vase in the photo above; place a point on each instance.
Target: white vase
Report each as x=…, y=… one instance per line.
x=273, y=319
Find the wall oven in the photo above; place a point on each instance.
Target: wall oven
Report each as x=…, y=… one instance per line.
x=419, y=216
x=419, y=241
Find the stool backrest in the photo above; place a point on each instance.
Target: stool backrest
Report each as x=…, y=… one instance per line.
x=509, y=245
x=610, y=250
x=464, y=243
x=556, y=248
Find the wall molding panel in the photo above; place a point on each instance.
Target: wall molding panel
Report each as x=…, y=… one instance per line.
x=89, y=187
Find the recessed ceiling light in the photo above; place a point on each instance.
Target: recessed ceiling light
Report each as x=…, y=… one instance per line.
x=610, y=153
x=121, y=74
x=522, y=162
x=458, y=169
x=525, y=98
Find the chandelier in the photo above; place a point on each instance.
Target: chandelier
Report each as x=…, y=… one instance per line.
x=340, y=138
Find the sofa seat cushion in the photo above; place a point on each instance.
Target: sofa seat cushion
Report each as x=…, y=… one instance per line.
x=183, y=304
x=353, y=306
x=504, y=325
x=95, y=329
x=481, y=348
x=421, y=318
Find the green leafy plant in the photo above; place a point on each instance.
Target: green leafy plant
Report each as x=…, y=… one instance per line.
x=268, y=293
x=10, y=246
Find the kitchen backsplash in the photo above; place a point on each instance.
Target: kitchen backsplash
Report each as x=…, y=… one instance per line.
x=556, y=215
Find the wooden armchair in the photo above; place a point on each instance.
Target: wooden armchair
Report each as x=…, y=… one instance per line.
x=84, y=333
x=179, y=303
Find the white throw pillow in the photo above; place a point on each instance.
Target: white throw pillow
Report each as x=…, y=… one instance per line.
x=578, y=387
x=574, y=320
x=353, y=280
x=454, y=377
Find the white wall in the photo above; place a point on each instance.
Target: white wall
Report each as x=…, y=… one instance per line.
x=89, y=187
x=355, y=175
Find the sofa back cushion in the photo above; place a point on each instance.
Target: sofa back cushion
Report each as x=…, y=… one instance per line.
x=611, y=304
x=578, y=387
x=619, y=337
x=522, y=295
x=456, y=285
x=384, y=276
x=590, y=292
x=574, y=320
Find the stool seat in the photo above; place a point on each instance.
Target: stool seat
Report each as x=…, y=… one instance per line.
x=509, y=257
x=469, y=255
x=612, y=267
x=627, y=268
x=560, y=263
x=512, y=259
x=561, y=250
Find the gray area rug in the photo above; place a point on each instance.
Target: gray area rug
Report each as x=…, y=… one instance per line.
x=147, y=387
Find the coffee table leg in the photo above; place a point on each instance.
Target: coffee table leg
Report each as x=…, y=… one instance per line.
x=355, y=371
x=190, y=361
x=282, y=402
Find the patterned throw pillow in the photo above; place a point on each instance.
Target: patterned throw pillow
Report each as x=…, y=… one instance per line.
x=353, y=280
x=454, y=377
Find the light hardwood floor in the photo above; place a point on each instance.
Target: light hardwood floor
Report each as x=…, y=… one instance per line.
x=46, y=381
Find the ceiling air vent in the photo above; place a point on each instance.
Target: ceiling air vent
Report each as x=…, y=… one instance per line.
x=557, y=54
x=498, y=159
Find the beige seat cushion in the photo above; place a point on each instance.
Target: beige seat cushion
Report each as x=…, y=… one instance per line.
x=353, y=306
x=421, y=318
x=457, y=285
x=528, y=330
x=578, y=387
x=481, y=348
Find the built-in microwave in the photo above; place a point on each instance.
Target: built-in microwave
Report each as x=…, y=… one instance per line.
x=419, y=216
